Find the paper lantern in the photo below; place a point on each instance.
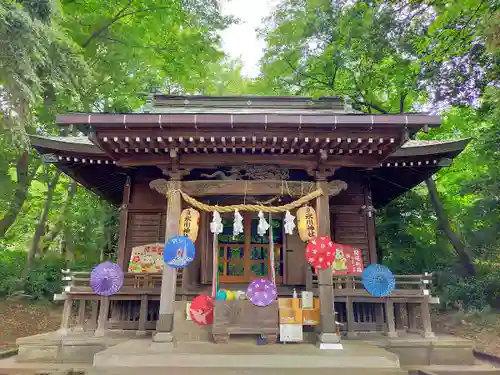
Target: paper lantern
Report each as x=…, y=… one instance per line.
x=189, y=224
x=262, y=292
x=201, y=310
x=106, y=279
x=378, y=280
x=307, y=223
x=320, y=252
x=230, y=296
x=178, y=252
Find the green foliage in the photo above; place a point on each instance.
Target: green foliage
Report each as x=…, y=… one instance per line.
x=392, y=56
x=44, y=279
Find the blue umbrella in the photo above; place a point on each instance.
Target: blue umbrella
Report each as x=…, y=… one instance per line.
x=378, y=280
x=178, y=252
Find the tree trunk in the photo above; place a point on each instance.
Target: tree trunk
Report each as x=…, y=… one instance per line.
x=464, y=255
x=24, y=177
x=40, y=228
x=63, y=218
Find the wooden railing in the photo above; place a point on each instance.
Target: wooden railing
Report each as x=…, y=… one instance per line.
x=406, y=309
x=136, y=305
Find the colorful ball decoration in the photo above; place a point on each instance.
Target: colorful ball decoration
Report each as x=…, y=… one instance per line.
x=221, y=295
x=201, y=310
x=320, y=252
x=106, y=279
x=178, y=252
x=378, y=280
x=230, y=296
x=262, y=292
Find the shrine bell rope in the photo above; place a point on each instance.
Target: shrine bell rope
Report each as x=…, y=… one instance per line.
x=241, y=207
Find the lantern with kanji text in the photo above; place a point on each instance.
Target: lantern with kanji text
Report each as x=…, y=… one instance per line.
x=307, y=224
x=188, y=225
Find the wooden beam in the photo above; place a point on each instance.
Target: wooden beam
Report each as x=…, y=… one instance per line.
x=214, y=160
x=256, y=187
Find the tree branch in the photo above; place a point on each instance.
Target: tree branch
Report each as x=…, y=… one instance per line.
x=106, y=26
x=119, y=16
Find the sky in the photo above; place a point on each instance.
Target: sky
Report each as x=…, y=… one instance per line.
x=241, y=41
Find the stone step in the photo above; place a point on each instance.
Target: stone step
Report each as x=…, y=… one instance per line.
x=240, y=371
x=139, y=356
x=456, y=370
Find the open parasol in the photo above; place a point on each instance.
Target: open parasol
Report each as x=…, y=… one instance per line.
x=262, y=292
x=178, y=252
x=106, y=279
x=378, y=280
x=320, y=252
x=202, y=310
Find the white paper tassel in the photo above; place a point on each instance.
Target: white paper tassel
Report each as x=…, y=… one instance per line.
x=263, y=225
x=289, y=223
x=216, y=224
x=237, y=223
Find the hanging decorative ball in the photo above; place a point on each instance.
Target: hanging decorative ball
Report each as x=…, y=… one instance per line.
x=320, y=252
x=262, y=292
x=378, y=280
x=221, y=295
x=230, y=295
x=106, y=279
x=201, y=310
x=179, y=252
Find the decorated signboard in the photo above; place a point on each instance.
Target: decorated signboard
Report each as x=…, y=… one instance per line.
x=146, y=258
x=348, y=260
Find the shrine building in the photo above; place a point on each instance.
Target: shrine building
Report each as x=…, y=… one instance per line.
x=285, y=153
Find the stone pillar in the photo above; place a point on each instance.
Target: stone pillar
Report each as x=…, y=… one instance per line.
x=328, y=327
x=165, y=324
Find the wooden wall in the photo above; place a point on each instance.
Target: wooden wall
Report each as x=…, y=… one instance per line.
x=143, y=221
x=350, y=225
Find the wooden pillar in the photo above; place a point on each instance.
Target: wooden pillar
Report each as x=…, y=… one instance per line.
x=122, y=241
x=349, y=306
x=66, y=315
x=412, y=318
x=389, y=316
x=370, y=222
x=399, y=309
x=143, y=315
x=93, y=316
x=81, y=315
x=328, y=328
x=102, y=323
x=426, y=318
x=379, y=317
x=165, y=324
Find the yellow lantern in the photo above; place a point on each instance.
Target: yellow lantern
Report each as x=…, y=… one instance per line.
x=188, y=224
x=307, y=223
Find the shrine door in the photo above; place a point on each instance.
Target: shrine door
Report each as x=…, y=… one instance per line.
x=245, y=257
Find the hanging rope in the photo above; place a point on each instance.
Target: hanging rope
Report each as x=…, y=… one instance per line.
x=271, y=251
x=251, y=207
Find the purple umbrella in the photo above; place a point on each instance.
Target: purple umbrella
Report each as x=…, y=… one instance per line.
x=262, y=292
x=106, y=279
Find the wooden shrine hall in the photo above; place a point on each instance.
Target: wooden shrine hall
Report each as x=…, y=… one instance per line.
x=195, y=151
